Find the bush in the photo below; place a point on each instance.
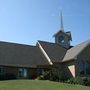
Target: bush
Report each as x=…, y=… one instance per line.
x=51, y=75
x=54, y=77
x=45, y=76
x=86, y=81
x=79, y=80
x=41, y=77
x=71, y=81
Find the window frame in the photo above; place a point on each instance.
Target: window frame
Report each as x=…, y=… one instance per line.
x=84, y=67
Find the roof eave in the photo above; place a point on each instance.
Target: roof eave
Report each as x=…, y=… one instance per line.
x=71, y=59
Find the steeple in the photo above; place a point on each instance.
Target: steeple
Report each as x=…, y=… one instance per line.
x=61, y=37
x=62, y=27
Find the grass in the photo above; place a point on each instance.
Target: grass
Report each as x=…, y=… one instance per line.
x=38, y=85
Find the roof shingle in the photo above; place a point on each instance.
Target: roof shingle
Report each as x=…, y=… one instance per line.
x=21, y=55
x=74, y=51
x=55, y=51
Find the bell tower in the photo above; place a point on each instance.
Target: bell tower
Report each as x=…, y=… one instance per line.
x=61, y=37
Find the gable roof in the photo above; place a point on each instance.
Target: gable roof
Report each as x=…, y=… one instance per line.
x=12, y=54
x=54, y=51
x=76, y=50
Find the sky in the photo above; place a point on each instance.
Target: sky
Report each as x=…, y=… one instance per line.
x=26, y=21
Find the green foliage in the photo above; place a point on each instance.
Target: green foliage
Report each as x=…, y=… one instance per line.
x=41, y=77
x=52, y=76
x=79, y=80
x=86, y=81
x=45, y=76
x=57, y=77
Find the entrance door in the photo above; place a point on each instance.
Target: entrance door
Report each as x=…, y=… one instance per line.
x=22, y=73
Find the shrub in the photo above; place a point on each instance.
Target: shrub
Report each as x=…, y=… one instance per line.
x=52, y=75
x=41, y=77
x=86, y=81
x=79, y=80
x=45, y=76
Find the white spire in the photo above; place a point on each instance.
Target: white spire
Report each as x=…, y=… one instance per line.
x=62, y=27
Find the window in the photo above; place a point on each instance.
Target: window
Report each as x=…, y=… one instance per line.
x=61, y=39
x=1, y=70
x=84, y=67
x=88, y=67
x=22, y=72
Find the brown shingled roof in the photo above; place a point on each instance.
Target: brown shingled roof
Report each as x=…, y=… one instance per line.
x=54, y=51
x=74, y=51
x=21, y=55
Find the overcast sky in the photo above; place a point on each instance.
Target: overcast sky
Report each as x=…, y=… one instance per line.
x=26, y=21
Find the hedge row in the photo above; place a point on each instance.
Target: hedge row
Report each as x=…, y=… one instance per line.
x=79, y=80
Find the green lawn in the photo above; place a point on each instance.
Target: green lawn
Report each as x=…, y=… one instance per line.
x=38, y=85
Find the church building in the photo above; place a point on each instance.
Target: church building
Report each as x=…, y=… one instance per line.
x=26, y=61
